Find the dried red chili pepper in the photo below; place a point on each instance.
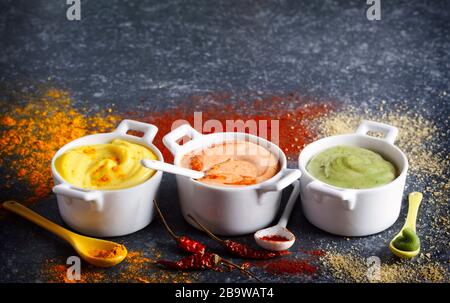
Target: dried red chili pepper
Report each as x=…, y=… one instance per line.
x=242, y=250
x=202, y=262
x=195, y=261
x=185, y=243
x=189, y=245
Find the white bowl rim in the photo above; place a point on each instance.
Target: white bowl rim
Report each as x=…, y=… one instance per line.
x=357, y=190
x=115, y=136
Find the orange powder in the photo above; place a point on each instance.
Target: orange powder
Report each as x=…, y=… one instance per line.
x=31, y=134
x=108, y=253
x=138, y=267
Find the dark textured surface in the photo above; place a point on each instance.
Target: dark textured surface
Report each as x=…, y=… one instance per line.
x=145, y=54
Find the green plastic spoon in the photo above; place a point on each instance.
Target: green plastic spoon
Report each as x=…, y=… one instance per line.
x=408, y=232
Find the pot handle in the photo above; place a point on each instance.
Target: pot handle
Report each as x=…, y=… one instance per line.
x=290, y=175
x=389, y=132
x=170, y=140
x=149, y=130
x=319, y=189
x=95, y=196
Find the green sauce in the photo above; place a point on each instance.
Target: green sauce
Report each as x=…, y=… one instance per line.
x=351, y=167
x=407, y=241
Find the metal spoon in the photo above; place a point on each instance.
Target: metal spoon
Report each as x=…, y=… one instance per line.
x=172, y=169
x=280, y=229
x=86, y=247
x=414, y=200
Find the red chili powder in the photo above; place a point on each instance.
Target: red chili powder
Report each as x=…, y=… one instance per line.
x=276, y=238
x=293, y=266
x=293, y=112
x=290, y=266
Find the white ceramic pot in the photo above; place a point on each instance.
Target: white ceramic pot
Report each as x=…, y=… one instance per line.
x=354, y=212
x=228, y=210
x=109, y=213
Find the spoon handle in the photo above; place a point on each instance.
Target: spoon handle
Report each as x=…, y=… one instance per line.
x=414, y=199
x=172, y=169
x=27, y=213
x=290, y=204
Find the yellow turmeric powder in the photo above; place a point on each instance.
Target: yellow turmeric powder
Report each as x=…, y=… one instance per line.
x=31, y=134
x=108, y=253
x=138, y=267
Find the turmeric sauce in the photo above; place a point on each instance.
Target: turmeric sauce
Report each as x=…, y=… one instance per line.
x=113, y=165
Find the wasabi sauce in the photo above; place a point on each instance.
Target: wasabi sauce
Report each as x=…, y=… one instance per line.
x=351, y=167
x=407, y=241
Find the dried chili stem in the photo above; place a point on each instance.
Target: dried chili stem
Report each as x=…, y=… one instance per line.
x=171, y=232
x=185, y=243
x=247, y=272
x=203, y=262
x=207, y=231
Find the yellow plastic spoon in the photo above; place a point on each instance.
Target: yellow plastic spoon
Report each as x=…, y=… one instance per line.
x=94, y=251
x=414, y=199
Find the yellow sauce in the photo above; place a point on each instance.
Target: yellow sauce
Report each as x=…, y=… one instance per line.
x=114, y=165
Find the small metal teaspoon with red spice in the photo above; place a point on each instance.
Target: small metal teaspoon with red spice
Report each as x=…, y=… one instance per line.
x=278, y=237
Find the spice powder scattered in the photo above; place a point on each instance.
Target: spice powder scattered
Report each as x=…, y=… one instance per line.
x=290, y=266
x=54, y=272
x=108, y=253
x=138, y=267
x=353, y=268
x=292, y=112
x=307, y=265
x=31, y=134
